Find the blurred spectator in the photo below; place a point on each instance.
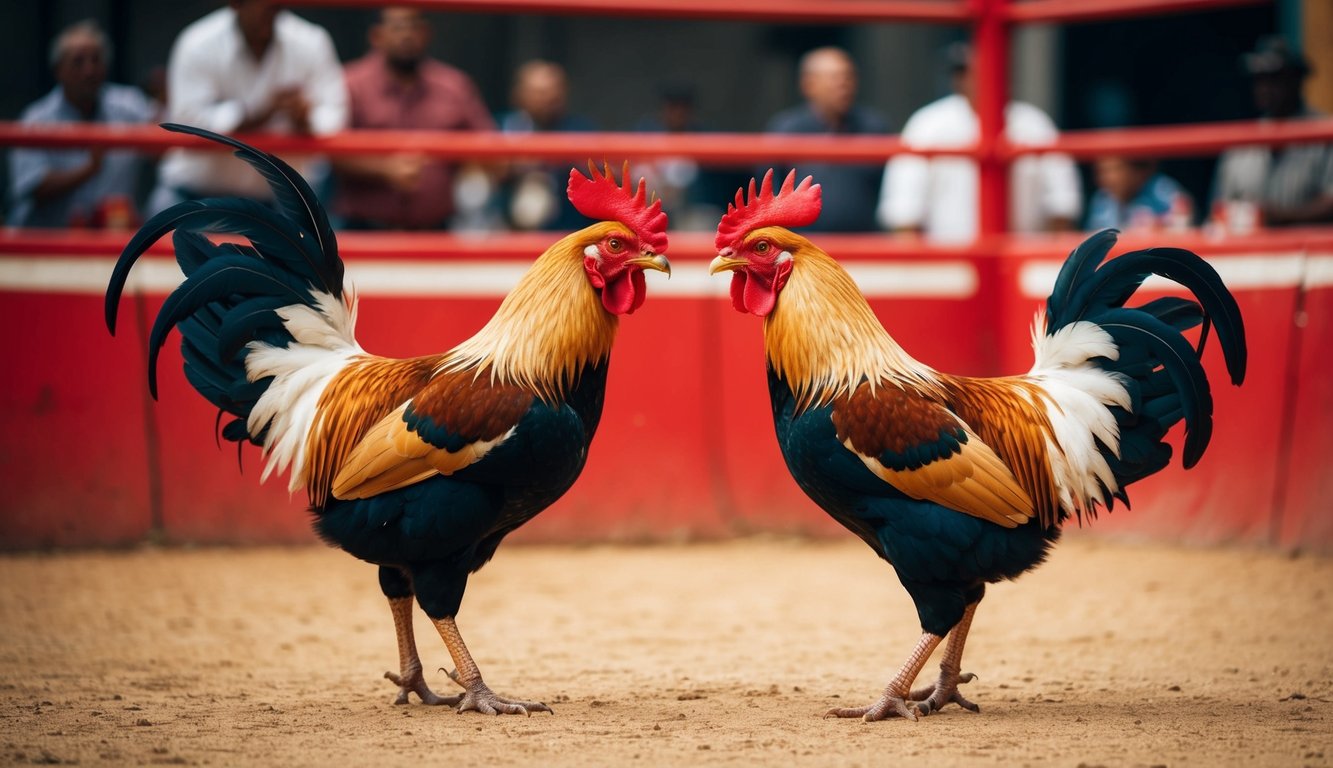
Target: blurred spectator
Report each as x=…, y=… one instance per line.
x=247, y=67
x=828, y=84
x=534, y=195
x=692, y=193
x=938, y=196
x=1287, y=186
x=74, y=188
x=154, y=86
x=398, y=87
x=1132, y=195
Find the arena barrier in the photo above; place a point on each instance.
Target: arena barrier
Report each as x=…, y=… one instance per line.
x=685, y=448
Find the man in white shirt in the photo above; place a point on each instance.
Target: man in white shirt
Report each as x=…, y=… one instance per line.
x=937, y=196
x=247, y=67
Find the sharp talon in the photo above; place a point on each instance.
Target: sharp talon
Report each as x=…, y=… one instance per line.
x=967, y=677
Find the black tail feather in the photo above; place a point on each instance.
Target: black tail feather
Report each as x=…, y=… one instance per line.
x=296, y=200
x=232, y=292
x=1161, y=370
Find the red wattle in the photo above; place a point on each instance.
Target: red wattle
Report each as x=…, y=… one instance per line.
x=625, y=292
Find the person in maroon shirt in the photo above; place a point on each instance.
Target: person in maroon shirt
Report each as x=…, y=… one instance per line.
x=398, y=87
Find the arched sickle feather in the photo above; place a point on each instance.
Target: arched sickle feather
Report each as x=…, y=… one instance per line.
x=265, y=228
x=218, y=278
x=1113, y=284
x=295, y=197
x=1082, y=262
x=1132, y=327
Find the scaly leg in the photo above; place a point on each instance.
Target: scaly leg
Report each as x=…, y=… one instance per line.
x=945, y=691
x=895, y=698
x=477, y=696
x=410, y=679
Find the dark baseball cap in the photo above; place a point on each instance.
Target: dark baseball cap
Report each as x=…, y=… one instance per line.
x=1271, y=55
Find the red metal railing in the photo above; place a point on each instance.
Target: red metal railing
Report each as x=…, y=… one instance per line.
x=710, y=148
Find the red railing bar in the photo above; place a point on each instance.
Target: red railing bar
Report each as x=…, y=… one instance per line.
x=1185, y=140
x=1055, y=11
x=834, y=11
x=711, y=148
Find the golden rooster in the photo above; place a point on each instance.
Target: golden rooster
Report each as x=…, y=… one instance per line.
x=956, y=481
x=419, y=466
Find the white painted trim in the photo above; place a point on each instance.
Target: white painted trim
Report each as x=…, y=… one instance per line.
x=381, y=277
x=481, y=279
x=1319, y=271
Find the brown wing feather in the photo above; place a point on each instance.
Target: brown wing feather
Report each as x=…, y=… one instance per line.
x=1007, y=414
x=392, y=454
x=352, y=403
x=970, y=478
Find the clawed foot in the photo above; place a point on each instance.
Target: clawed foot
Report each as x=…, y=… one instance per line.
x=945, y=691
x=412, y=681
x=887, y=706
x=480, y=698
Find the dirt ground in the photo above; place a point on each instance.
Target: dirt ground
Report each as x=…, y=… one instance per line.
x=707, y=654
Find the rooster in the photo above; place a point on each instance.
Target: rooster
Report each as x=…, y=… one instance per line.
x=958, y=482
x=420, y=466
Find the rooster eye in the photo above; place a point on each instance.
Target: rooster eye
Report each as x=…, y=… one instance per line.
x=761, y=247
x=615, y=245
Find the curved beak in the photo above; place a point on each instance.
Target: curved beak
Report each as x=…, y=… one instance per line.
x=652, y=261
x=726, y=264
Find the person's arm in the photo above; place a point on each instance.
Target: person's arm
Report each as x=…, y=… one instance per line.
x=905, y=194
x=1318, y=210
x=325, y=90
x=57, y=184
x=905, y=191
x=401, y=170
x=1062, y=195
x=193, y=95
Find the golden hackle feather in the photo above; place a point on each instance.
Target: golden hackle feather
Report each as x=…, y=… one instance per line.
x=823, y=339
x=540, y=342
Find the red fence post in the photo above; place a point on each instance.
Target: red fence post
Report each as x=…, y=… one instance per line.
x=990, y=73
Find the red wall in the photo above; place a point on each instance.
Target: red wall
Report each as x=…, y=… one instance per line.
x=686, y=446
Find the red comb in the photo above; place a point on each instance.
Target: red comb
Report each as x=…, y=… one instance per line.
x=792, y=206
x=599, y=197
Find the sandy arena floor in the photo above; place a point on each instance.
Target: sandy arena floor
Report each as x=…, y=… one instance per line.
x=1110, y=655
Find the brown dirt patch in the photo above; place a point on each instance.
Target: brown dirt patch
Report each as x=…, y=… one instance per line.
x=1111, y=654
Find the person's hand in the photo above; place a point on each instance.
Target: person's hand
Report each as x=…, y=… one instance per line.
x=403, y=171
x=95, y=158
x=290, y=101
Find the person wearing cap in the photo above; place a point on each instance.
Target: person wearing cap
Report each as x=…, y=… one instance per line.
x=1286, y=186
x=937, y=197
x=79, y=187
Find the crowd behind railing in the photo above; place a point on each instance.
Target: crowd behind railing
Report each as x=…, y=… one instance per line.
x=249, y=68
